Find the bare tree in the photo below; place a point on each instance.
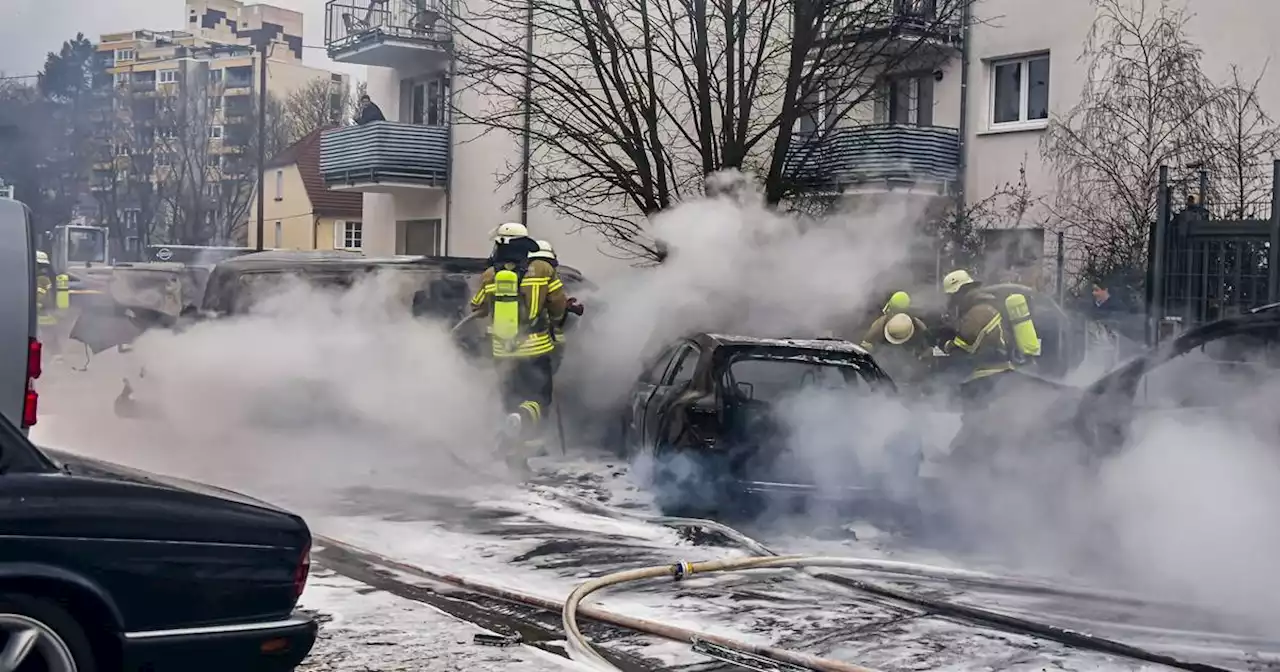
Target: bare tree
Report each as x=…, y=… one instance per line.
x=960, y=232
x=205, y=168
x=1146, y=103
x=1245, y=139
x=633, y=103
x=319, y=103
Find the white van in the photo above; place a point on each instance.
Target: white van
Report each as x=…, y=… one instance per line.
x=19, y=348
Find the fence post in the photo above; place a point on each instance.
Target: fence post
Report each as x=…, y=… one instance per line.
x=1273, y=252
x=1158, y=259
x=1062, y=261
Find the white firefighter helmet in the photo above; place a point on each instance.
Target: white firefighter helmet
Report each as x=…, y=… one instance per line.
x=955, y=280
x=544, y=251
x=509, y=231
x=42, y=257
x=899, y=329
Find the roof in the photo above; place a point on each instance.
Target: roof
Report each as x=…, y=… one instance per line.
x=825, y=344
x=305, y=154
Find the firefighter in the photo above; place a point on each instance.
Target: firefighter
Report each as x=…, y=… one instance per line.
x=45, y=290
x=904, y=349
x=524, y=301
x=996, y=336
x=899, y=302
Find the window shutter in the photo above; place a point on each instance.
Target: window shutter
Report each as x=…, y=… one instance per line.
x=339, y=228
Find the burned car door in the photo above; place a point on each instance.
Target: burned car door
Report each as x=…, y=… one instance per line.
x=649, y=380
x=674, y=382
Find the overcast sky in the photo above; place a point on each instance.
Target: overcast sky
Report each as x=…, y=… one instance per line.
x=32, y=28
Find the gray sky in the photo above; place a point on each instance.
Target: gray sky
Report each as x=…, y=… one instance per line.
x=32, y=28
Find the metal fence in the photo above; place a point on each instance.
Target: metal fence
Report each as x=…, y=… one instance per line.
x=353, y=23
x=1204, y=267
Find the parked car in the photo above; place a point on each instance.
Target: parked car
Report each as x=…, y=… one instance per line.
x=709, y=410
x=1212, y=368
x=101, y=575
x=20, y=358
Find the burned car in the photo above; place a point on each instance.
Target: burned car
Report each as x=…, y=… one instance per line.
x=1224, y=369
x=723, y=419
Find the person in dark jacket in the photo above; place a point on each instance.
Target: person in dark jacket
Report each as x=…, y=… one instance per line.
x=369, y=112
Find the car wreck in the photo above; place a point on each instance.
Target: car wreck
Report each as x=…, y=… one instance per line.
x=711, y=412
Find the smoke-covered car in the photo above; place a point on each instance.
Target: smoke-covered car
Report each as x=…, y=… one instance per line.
x=1225, y=369
x=728, y=417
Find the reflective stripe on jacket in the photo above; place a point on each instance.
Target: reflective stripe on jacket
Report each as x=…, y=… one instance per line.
x=543, y=293
x=981, y=335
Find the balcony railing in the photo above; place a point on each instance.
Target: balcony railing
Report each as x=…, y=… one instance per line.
x=356, y=30
x=936, y=20
x=882, y=152
x=385, y=155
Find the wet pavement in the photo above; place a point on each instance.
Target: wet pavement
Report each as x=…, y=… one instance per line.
x=524, y=538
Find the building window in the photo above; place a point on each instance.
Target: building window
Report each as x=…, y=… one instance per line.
x=1020, y=91
x=131, y=244
x=167, y=76
x=121, y=78
x=279, y=185
x=429, y=102
x=131, y=218
x=348, y=236
x=215, y=76
x=906, y=99
x=215, y=132
x=279, y=234
x=123, y=55
x=215, y=103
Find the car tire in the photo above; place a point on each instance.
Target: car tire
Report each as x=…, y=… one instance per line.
x=55, y=618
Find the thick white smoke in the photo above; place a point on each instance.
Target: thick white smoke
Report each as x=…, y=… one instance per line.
x=317, y=392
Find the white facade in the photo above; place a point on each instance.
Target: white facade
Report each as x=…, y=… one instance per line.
x=1229, y=31
x=452, y=209
x=1024, y=67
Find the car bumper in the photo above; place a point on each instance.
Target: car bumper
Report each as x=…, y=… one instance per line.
x=249, y=647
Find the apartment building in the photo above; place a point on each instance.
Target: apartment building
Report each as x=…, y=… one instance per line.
x=429, y=185
x=210, y=72
x=961, y=116
x=944, y=128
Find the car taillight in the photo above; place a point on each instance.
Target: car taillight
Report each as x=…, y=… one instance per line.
x=34, y=358
x=300, y=574
x=31, y=403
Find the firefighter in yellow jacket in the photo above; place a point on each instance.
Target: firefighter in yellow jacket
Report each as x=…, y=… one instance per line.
x=898, y=303
x=996, y=336
x=524, y=302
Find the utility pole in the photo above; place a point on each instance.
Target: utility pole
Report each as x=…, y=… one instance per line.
x=528, y=114
x=263, y=45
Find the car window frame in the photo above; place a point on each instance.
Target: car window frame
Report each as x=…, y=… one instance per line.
x=687, y=348
x=654, y=373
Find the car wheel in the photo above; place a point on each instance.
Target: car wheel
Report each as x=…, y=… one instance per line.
x=38, y=634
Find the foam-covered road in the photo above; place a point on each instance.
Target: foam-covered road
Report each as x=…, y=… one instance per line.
x=408, y=510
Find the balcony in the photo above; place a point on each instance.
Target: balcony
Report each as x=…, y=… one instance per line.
x=400, y=34
x=883, y=153
x=917, y=26
x=385, y=157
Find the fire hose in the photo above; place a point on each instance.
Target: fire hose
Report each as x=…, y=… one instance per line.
x=580, y=648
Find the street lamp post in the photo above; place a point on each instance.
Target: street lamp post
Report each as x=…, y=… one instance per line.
x=263, y=43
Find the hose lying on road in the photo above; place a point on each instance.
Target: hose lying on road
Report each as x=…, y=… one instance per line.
x=919, y=570
x=580, y=648
x=644, y=626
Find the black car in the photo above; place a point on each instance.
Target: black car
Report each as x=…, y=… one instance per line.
x=1216, y=367
x=104, y=574
x=708, y=409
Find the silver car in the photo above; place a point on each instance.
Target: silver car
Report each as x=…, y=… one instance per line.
x=19, y=349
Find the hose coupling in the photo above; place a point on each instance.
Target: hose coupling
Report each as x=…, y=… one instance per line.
x=681, y=570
